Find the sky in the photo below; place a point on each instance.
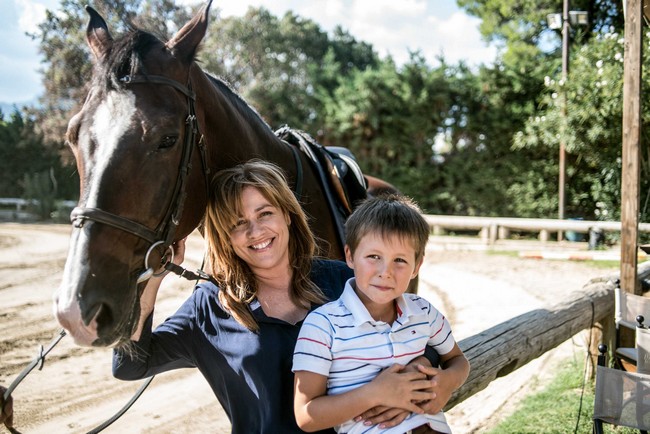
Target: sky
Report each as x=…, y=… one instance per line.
x=393, y=27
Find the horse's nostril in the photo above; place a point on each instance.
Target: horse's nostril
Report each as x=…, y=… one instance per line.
x=100, y=313
x=88, y=315
x=104, y=315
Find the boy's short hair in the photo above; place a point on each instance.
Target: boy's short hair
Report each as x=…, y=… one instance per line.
x=388, y=215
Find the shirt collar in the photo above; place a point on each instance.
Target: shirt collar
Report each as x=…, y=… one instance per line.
x=350, y=299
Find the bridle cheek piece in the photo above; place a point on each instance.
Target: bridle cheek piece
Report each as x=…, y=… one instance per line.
x=163, y=235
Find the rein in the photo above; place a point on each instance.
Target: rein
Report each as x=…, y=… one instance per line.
x=164, y=234
x=39, y=360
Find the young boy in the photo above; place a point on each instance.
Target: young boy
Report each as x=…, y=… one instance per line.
x=350, y=352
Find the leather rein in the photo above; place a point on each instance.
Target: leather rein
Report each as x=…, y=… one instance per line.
x=163, y=234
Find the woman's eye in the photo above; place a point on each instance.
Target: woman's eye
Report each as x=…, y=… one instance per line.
x=167, y=142
x=237, y=225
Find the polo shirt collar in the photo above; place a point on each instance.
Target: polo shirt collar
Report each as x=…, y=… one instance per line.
x=406, y=308
x=360, y=314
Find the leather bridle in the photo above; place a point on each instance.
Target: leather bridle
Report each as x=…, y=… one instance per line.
x=163, y=234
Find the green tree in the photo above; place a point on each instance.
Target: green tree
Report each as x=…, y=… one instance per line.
x=593, y=134
x=23, y=154
x=516, y=93
x=513, y=23
x=389, y=117
x=282, y=66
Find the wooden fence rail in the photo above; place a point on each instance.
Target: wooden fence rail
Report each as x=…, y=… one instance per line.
x=492, y=228
x=500, y=350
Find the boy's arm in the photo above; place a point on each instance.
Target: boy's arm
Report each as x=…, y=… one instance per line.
x=315, y=410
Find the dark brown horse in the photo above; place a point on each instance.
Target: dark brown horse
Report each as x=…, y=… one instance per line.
x=153, y=128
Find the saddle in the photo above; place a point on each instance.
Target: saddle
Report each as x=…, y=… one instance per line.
x=340, y=176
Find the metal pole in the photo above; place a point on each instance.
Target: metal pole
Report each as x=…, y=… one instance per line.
x=565, y=74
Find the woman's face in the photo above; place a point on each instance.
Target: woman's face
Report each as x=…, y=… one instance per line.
x=260, y=237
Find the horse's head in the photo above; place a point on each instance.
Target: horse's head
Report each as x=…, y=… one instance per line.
x=133, y=141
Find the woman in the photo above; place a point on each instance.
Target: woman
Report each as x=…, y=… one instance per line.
x=241, y=332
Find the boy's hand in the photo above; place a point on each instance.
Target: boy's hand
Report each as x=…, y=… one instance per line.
x=388, y=416
x=400, y=390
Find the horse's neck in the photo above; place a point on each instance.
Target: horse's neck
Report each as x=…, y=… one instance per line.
x=233, y=131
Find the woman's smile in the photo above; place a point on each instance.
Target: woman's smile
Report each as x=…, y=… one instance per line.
x=262, y=245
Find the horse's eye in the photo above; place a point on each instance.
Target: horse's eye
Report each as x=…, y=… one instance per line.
x=167, y=142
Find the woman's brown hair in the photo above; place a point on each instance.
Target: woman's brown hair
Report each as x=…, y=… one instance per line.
x=237, y=283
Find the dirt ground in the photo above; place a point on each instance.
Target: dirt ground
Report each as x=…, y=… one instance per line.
x=74, y=392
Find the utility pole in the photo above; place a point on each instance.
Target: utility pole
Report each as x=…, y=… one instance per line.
x=630, y=165
x=565, y=75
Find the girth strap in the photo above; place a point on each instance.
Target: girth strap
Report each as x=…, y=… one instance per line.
x=298, y=183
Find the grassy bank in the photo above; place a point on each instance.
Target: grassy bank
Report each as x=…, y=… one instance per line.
x=557, y=408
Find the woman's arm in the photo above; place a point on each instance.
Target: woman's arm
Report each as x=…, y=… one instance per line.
x=315, y=410
x=6, y=410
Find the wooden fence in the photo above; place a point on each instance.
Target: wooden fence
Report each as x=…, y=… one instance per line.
x=491, y=229
x=18, y=209
x=500, y=350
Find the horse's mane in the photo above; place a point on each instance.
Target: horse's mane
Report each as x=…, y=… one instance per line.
x=251, y=115
x=124, y=58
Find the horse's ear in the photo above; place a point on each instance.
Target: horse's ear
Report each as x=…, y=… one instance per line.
x=184, y=43
x=97, y=34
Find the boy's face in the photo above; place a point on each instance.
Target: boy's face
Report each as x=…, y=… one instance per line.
x=383, y=267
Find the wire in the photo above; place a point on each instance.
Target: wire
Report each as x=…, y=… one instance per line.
x=584, y=373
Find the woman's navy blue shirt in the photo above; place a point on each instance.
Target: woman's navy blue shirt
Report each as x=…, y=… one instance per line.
x=250, y=373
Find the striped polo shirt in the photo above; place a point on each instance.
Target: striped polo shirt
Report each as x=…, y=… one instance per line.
x=341, y=341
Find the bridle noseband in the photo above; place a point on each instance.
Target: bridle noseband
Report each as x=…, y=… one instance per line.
x=163, y=235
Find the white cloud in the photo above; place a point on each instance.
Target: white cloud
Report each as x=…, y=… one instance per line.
x=455, y=33
x=31, y=14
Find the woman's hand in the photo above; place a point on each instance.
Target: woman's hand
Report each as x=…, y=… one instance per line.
x=179, y=251
x=442, y=387
x=150, y=291
x=386, y=417
x=7, y=410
